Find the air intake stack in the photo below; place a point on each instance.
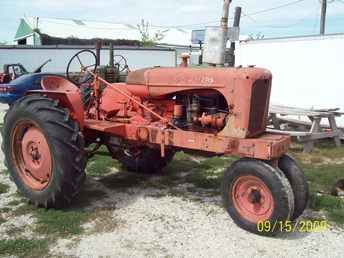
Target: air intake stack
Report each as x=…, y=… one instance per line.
x=216, y=39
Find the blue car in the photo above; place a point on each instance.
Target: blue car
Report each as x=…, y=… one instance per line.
x=17, y=88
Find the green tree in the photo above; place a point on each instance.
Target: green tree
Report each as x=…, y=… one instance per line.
x=147, y=39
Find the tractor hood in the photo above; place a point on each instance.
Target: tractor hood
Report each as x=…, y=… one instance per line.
x=155, y=82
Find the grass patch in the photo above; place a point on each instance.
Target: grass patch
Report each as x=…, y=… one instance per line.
x=323, y=152
x=208, y=174
x=24, y=209
x=178, y=166
x=5, y=171
x=52, y=222
x=323, y=167
x=60, y=223
x=333, y=207
x=15, y=202
x=326, y=202
x=328, y=149
x=323, y=178
x=337, y=215
x=5, y=210
x=19, y=195
x=100, y=165
x=14, y=231
x=204, y=173
x=23, y=247
x=4, y=188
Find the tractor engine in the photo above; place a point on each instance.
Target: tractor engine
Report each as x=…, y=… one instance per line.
x=200, y=111
x=232, y=102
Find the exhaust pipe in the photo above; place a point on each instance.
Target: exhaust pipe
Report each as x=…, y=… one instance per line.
x=230, y=55
x=224, y=19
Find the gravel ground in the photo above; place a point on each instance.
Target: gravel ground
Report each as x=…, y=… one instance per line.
x=149, y=222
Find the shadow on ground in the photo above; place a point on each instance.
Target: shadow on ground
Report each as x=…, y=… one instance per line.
x=186, y=176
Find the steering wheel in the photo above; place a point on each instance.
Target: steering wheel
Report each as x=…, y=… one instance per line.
x=87, y=61
x=120, y=62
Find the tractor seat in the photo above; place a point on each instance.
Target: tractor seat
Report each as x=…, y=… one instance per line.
x=138, y=77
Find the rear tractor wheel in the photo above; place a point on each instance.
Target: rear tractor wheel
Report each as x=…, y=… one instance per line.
x=43, y=150
x=257, y=196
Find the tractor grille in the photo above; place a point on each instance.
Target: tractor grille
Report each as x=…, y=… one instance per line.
x=259, y=106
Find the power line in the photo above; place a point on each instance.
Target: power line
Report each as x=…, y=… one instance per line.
x=276, y=7
x=249, y=15
x=297, y=22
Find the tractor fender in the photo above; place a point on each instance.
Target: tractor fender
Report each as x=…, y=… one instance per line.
x=67, y=94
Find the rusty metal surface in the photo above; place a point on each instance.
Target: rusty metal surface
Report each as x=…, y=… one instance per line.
x=138, y=76
x=246, y=90
x=66, y=93
x=58, y=84
x=142, y=113
x=266, y=147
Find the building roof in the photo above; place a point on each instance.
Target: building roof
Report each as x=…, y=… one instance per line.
x=64, y=28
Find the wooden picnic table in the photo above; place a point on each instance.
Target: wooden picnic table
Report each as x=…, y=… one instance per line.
x=307, y=132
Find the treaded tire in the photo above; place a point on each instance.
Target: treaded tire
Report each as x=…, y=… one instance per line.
x=66, y=145
x=149, y=161
x=298, y=183
x=274, y=180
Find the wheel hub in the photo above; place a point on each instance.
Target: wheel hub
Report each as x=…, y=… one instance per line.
x=34, y=152
x=254, y=196
x=32, y=156
x=252, y=199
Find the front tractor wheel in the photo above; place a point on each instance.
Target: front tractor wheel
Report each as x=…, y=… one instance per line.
x=43, y=150
x=254, y=193
x=298, y=183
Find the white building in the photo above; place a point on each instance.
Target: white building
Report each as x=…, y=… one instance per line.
x=65, y=28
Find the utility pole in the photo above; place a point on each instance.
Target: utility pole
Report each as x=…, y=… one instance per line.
x=323, y=16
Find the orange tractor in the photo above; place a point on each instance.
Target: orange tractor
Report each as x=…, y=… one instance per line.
x=143, y=122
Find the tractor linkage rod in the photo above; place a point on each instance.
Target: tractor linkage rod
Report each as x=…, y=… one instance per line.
x=132, y=99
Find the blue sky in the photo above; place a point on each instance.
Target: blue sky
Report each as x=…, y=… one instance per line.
x=298, y=19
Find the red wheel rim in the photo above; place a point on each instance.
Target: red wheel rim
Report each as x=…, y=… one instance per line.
x=252, y=199
x=31, y=155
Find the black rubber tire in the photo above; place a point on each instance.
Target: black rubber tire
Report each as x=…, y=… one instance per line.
x=148, y=162
x=66, y=145
x=298, y=183
x=277, y=183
